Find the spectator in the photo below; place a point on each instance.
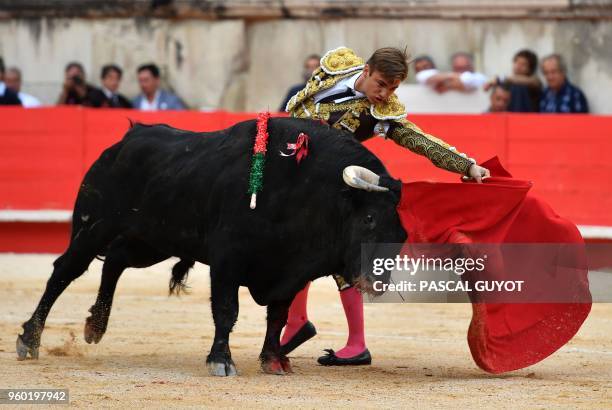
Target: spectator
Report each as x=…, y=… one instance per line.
x=422, y=63
x=560, y=95
x=75, y=90
x=525, y=86
x=12, y=79
x=111, y=77
x=152, y=97
x=500, y=98
x=7, y=96
x=311, y=63
x=462, y=78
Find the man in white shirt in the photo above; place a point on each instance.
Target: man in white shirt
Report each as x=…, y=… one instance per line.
x=153, y=97
x=12, y=79
x=462, y=78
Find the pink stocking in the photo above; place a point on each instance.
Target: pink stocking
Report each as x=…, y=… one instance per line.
x=352, y=301
x=298, y=315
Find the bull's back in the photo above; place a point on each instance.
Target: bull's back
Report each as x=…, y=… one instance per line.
x=159, y=153
x=161, y=181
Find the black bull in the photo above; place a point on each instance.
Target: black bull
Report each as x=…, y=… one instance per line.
x=163, y=192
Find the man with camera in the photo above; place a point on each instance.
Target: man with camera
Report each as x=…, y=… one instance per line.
x=76, y=91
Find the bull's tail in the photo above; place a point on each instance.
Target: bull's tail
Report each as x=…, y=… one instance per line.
x=180, y=272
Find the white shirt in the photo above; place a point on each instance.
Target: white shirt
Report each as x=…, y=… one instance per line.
x=339, y=87
x=145, y=105
x=29, y=101
x=109, y=94
x=26, y=99
x=470, y=80
x=424, y=75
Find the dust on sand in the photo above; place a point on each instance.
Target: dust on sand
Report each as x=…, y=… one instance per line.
x=154, y=350
x=69, y=348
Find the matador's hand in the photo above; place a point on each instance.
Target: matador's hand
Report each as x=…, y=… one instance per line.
x=478, y=173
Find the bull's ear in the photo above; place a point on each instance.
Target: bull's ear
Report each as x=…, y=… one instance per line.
x=345, y=200
x=394, y=185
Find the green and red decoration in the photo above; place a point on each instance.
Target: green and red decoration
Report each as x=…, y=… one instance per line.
x=259, y=157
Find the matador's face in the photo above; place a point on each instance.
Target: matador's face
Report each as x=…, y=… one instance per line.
x=376, y=87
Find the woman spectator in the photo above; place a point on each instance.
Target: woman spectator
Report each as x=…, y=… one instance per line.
x=525, y=86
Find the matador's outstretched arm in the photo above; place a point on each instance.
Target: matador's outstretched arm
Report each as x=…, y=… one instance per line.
x=441, y=154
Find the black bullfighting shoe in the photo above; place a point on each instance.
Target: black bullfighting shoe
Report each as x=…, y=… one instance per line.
x=306, y=332
x=330, y=359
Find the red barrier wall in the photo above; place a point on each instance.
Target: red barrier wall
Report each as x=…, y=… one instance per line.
x=45, y=152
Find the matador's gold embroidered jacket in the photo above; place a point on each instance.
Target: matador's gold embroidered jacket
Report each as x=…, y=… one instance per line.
x=364, y=119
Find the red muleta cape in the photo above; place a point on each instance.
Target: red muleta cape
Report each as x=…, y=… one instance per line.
x=502, y=336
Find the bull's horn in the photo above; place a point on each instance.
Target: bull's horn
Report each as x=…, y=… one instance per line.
x=362, y=178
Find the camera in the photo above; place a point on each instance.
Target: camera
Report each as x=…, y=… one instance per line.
x=77, y=80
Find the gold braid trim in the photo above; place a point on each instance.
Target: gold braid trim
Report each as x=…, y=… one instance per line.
x=319, y=81
x=341, y=283
x=348, y=121
x=392, y=109
x=308, y=109
x=437, y=151
x=341, y=60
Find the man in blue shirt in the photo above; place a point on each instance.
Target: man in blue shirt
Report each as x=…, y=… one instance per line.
x=560, y=96
x=154, y=98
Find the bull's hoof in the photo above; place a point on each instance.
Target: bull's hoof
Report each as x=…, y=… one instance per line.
x=222, y=369
x=286, y=365
x=23, y=350
x=277, y=366
x=93, y=331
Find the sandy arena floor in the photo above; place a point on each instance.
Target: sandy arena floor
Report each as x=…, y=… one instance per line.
x=154, y=350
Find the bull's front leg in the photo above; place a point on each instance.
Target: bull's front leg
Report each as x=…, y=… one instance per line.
x=272, y=361
x=224, y=301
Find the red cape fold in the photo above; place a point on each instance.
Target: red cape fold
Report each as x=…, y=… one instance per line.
x=502, y=336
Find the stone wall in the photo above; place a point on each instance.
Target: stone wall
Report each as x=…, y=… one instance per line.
x=199, y=60
x=238, y=64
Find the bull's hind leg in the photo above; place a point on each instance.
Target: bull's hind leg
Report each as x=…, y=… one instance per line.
x=224, y=303
x=67, y=268
x=272, y=361
x=123, y=253
x=92, y=231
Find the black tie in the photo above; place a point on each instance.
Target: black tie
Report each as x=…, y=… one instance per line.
x=346, y=93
